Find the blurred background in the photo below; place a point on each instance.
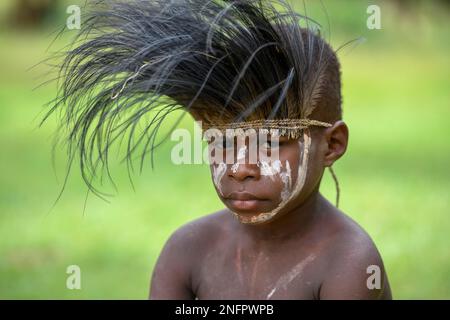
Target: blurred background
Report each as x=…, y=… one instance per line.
x=395, y=180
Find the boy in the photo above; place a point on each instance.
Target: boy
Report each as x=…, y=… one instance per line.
x=249, y=72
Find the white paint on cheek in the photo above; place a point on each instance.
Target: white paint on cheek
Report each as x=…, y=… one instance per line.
x=218, y=173
x=270, y=169
x=240, y=157
x=286, y=178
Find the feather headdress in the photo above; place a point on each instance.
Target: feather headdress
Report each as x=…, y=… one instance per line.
x=227, y=63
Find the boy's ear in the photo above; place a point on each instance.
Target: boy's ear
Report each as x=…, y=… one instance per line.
x=336, y=138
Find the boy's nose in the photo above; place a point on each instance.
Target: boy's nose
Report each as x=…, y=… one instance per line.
x=242, y=171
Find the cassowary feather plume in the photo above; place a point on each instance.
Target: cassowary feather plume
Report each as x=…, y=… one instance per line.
x=135, y=62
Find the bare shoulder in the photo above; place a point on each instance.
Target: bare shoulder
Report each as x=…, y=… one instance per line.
x=193, y=239
x=355, y=267
x=195, y=234
x=172, y=275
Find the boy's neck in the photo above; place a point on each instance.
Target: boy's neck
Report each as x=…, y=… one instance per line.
x=293, y=223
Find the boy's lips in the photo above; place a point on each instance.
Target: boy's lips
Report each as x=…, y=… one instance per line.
x=244, y=201
x=244, y=196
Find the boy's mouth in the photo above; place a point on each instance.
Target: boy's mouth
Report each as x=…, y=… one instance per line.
x=244, y=201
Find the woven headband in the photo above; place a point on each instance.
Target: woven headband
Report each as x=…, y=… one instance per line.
x=283, y=127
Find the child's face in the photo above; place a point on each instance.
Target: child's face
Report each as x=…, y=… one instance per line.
x=260, y=192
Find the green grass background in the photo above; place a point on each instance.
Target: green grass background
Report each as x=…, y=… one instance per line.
x=395, y=177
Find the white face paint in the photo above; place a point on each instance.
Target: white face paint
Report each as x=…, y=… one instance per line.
x=241, y=153
x=240, y=157
x=270, y=168
x=288, y=193
x=218, y=173
x=286, y=178
x=267, y=168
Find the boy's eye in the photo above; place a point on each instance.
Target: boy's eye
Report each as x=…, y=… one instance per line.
x=272, y=144
x=226, y=143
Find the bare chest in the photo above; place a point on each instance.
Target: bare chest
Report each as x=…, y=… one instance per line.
x=236, y=274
